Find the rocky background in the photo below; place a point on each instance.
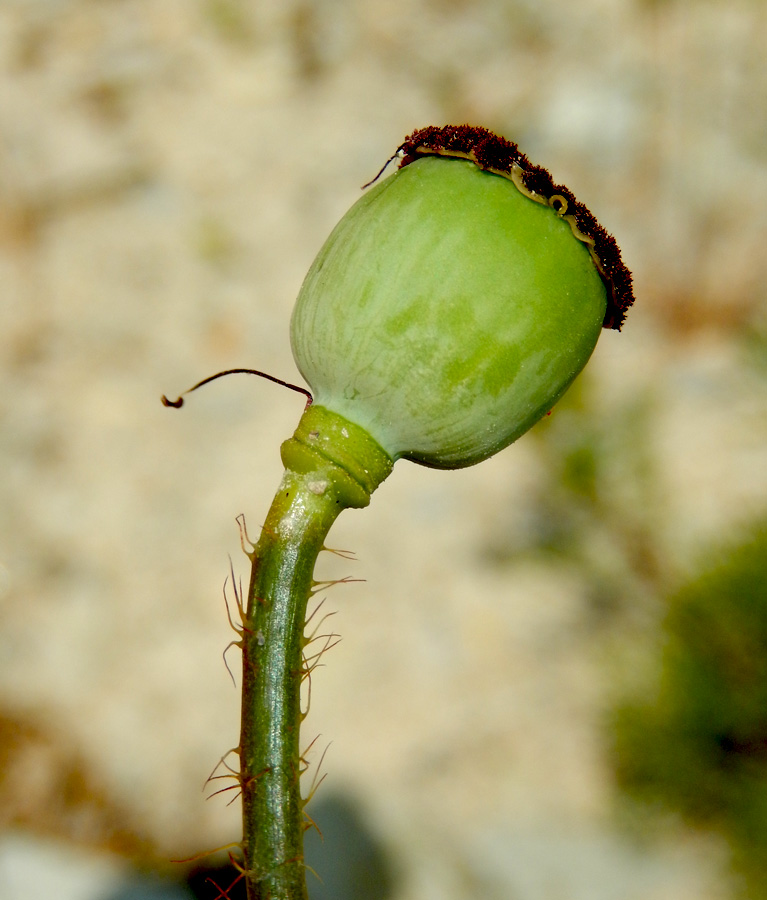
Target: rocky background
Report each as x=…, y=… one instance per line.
x=168, y=169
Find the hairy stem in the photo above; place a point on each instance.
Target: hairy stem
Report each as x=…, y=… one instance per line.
x=330, y=465
x=270, y=765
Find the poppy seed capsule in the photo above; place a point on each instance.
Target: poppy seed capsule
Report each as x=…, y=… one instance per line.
x=447, y=312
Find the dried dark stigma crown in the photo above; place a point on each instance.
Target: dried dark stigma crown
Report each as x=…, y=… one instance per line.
x=502, y=157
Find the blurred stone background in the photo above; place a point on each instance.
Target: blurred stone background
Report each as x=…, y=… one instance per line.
x=168, y=170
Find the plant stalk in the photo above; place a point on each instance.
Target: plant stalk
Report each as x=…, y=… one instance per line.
x=324, y=461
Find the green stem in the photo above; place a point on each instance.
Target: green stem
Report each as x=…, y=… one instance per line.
x=330, y=465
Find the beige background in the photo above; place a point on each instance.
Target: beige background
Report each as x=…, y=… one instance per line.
x=168, y=170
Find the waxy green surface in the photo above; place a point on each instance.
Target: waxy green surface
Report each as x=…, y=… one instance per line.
x=446, y=313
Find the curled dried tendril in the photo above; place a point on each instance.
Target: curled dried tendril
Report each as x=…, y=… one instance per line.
x=179, y=401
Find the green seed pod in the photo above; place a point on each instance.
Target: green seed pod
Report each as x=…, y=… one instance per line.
x=456, y=301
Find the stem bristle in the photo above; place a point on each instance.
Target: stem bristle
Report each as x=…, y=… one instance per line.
x=238, y=602
x=319, y=586
x=223, y=656
x=344, y=554
x=240, y=520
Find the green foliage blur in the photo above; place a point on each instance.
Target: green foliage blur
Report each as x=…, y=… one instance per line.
x=695, y=743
